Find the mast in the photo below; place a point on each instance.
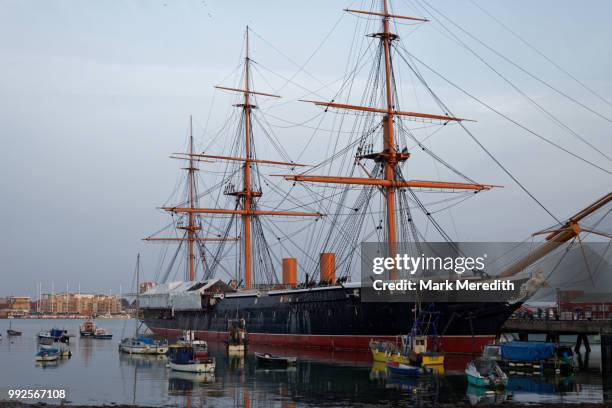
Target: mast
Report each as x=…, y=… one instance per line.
x=389, y=139
x=247, y=196
x=246, y=218
x=191, y=228
x=389, y=157
x=137, y=294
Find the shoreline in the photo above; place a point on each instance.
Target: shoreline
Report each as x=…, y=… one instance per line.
x=72, y=317
x=460, y=404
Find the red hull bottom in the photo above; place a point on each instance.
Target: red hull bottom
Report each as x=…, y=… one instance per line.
x=450, y=344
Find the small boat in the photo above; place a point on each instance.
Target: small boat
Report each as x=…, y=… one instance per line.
x=48, y=354
x=62, y=349
x=88, y=328
x=421, y=348
x=10, y=331
x=138, y=344
x=143, y=345
x=44, y=335
x=406, y=369
x=531, y=357
x=55, y=335
x=182, y=358
x=406, y=350
x=271, y=359
x=102, y=334
x=237, y=339
x=482, y=372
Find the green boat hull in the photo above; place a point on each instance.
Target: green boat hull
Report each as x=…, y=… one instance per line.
x=478, y=382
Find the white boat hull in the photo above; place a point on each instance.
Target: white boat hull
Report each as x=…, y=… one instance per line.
x=193, y=368
x=150, y=350
x=43, y=359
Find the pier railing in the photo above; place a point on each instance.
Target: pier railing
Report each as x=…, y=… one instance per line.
x=543, y=326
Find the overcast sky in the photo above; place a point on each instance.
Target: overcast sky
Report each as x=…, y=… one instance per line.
x=94, y=97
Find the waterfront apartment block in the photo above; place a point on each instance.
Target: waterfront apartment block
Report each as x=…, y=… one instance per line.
x=79, y=304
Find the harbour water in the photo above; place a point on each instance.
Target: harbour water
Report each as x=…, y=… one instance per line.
x=97, y=374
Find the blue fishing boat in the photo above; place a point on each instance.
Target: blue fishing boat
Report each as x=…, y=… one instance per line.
x=55, y=335
x=182, y=358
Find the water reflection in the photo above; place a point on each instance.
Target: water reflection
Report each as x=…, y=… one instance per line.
x=537, y=389
x=482, y=396
x=321, y=378
x=583, y=360
x=181, y=383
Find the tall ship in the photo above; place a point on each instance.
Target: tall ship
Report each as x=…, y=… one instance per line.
x=236, y=252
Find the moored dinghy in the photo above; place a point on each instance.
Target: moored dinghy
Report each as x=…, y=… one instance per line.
x=271, y=359
x=11, y=332
x=483, y=372
x=102, y=334
x=62, y=349
x=47, y=354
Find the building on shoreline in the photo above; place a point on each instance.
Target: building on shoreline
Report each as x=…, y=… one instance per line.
x=79, y=304
x=20, y=305
x=14, y=306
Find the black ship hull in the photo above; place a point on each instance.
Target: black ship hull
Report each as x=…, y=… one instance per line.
x=334, y=318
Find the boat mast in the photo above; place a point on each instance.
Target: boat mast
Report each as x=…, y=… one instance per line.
x=247, y=198
x=246, y=195
x=389, y=139
x=389, y=157
x=191, y=228
x=137, y=294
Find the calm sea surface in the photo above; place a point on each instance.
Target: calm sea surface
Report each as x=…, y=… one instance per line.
x=97, y=374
